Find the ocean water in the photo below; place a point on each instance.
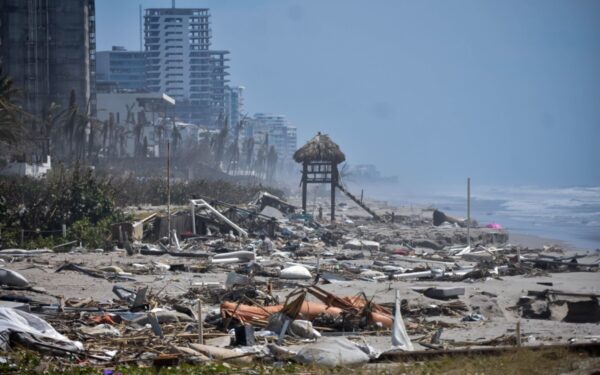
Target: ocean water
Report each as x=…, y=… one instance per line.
x=568, y=214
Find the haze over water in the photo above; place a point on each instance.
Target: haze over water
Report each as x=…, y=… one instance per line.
x=504, y=92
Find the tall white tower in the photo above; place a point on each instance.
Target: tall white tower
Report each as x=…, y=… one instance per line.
x=181, y=64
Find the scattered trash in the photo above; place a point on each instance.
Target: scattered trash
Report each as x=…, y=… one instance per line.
x=12, y=279
x=20, y=326
x=295, y=272
x=263, y=281
x=400, y=339
x=444, y=293
x=473, y=317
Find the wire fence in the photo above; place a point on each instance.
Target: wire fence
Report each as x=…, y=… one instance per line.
x=25, y=235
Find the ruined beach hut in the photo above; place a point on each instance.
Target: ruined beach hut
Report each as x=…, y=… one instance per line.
x=320, y=157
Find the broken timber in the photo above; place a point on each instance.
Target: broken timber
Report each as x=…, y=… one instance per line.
x=201, y=204
x=358, y=202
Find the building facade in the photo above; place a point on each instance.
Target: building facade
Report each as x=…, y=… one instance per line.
x=121, y=69
x=137, y=116
x=282, y=135
x=234, y=105
x=48, y=49
x=180, y=63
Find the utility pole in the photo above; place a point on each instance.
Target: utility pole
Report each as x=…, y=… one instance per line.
x=469, y=212
x=169, y=190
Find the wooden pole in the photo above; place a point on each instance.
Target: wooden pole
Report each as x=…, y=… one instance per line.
x=469, y=212
x=304, y=177
x=518, y=333
x=200, y=322
x=169, y=190
x=333, y=184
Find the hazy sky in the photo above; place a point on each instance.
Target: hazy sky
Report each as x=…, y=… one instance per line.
x=507, y=92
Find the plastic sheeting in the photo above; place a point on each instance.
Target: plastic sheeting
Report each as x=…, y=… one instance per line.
x=400, y=339
x=12, y=278
x=33, y=330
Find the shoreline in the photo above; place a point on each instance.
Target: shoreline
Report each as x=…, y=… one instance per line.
x=487, y=295
x=515, y=237
x=538, y=212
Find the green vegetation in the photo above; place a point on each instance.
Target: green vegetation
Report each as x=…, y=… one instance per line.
x=10, y=122
x=36, y=209
x=133, y=191
x=33, y=211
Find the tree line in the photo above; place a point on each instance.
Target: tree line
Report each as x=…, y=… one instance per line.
x=74, y=137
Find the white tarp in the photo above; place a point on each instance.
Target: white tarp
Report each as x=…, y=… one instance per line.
x=33, y=329
x=332, y=352
x=400, y=339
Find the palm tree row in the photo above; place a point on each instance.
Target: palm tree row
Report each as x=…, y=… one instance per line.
x=75, y=137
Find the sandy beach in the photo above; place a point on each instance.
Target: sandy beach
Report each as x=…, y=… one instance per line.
x=496, y=297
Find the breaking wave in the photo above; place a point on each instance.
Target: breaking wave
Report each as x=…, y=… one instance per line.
x=570, y=214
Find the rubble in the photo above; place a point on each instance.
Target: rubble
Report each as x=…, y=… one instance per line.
x=262, y=282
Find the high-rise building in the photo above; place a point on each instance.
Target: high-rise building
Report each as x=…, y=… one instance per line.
x=234, y=104
x=122, y=69
x=48, y=49
x=282, y=135
x=181, y=64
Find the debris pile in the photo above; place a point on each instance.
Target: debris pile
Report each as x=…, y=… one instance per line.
x=238, y=284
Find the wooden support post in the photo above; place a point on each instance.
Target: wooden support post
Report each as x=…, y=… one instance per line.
x=469, y=212
x=200, y=322
x=518, y=333
x=333, y=185
x=22, y=237
x=304, y=183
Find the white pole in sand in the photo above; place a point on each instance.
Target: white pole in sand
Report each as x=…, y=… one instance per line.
x=200, y=322
x=169, y=191
x=469, y=212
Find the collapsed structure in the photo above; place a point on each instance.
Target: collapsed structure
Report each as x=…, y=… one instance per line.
x=265, y=282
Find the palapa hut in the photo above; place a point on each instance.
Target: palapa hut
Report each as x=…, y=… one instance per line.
x=320, y=157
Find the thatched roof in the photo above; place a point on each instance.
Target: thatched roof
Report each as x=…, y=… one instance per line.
x=320, y=148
